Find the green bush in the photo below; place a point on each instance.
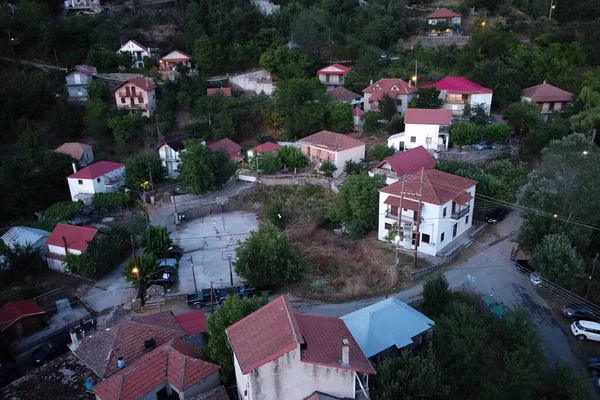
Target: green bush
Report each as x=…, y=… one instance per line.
x=463, y=134
x=380, y=152
x=496, y=133
x=270, y=163
x=59, y=212
x=111, y=200
x=327, y=168
x=351, y=167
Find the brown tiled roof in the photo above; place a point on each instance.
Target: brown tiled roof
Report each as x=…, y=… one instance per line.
x=192, y=322
x=546, y=93
x=174, y=362
x=228, y=145
x=73, y=149
x=216, y=394
x=340, y=93
x=176, y=56
x=331, y=141
x=224, y=91
x=433, y=116
x=139, y=44
x=12, y=311
x=175, y=141
x=390, y=86
x=145, y=84
x=443, y=13
x=438, y=187
x=410, y=161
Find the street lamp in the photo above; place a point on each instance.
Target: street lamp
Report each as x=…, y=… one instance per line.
x=585, y=152
x=136, y=272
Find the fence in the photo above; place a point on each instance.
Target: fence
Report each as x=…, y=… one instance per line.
x=254, y=81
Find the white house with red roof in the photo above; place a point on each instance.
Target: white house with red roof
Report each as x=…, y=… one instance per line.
x=548, y=98
x=173, y=59
x=136, y=94
x=401, y=165
x=444, y=15
x=264, y=148
x=333, y=75
x=333, y=147
x=442, y=213
x=100, y=177
x=138, y=52
x=425, y=127
x=457, y=92
x=281, y=354
x=402, y=92
x=67, y=239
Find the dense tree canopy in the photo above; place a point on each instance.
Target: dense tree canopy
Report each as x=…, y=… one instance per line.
x=202, y=169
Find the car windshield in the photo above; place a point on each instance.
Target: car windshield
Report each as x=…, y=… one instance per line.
x=165, y=276
x=578, y=325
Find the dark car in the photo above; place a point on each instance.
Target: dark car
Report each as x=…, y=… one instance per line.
x=580, y=311
x=164, y=279
x=175, y=252
x=524, y=266
x=496, y=215
x=594, y=364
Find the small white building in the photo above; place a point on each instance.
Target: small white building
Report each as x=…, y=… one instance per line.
x=100, y=177
x=401, y=165
x=80, y=152
x=138, y=52
x=444, y=15
x=24, y=236
x=402, y=92
x=445, y=213
x=263, y=148
x=281, y=354
x=82, y=4
x=457, y=92
x=333, y=76
x=548, y=98
x=67, y=239
x=169, y=151
x=333, y=147
x=429, y=128
x=136, y=94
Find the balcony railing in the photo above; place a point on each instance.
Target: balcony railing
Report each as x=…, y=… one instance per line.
x=114, y=181
x=123, y=93
x=461, y=212
x=133, y=106
x=444, y=129
x=404, y=219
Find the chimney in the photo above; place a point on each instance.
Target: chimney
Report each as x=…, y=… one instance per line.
x=345, y=353
x=74, y=167
x=121, y=362
x=544, y=81
x=147, y=83
x=409, y=83
x=74, y=340
x=371, y=82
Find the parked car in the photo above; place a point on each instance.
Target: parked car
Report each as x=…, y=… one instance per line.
x=583, y=330
x=164, y=279
x=496, y=215
x=580, y=311
x=79, y=220
x=483, y=146
x=168, y=264
x=219, y=295
x=524, y=266
x=48, y=352
x=535, y=279
x=594, y=364
x=175, y=252
x=202, y=298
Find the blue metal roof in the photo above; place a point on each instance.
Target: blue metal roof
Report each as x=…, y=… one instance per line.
x=387, y=323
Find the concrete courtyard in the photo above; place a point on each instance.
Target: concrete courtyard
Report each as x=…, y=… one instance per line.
x=208, y=241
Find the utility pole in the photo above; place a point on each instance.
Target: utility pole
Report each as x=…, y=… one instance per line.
x=212, y=302
x=552, y=7
x=417, y=236
x=138, y=273
x=399, y=224
x=416, y=77
x=194, y=274
x=230, y=270
x=591, y=275
x=151, y=181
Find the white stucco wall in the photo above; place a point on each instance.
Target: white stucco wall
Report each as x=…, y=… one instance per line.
x=93, y=186
x=291, y=379
x=454, y=20
x=170, y=160
x=367, y=105
x=333, y=79
x=355, y=154
x=132, y=48
x=147, y=106
x=421, y=132
x=485, y=99
x=60, y=250
x=406, y=98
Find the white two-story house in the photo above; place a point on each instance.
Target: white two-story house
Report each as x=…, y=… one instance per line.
x=138, y=52
x=169, y=151
x=333, y=76
x=100, y=177
x=136, y=94
x=446, y=210
x=402, y=93
x=457, y=92
x=425, y=127
x=403, y=164
x=281, y=354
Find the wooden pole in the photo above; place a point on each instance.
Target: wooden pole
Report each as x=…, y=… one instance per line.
x=417, y=236
x=591, y=275
x=212, y=304
x=399, y=220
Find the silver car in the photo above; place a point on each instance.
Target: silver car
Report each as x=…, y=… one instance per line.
x=535, y=279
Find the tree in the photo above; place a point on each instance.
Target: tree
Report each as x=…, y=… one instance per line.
x=306, y=31
x=303, y=103
x=327, y=168
x=523, y=117
x=201, y=169
x=269, y=163
x=427, y=98
x=124, y=128
x=380, y=152
x=207, y=55
x=562, y=384
x=147, y=267
x=371, y=122
x=476, y=114
x=30, y=140
x=558, y=261
x=351, y=167
x=96, y=119
x=387, y=107
x=292, y=157
x=357, y=204
x=340, y=116
x=219, y=348
x=156, y=240
x=97, y=91
x=143, y=167
x=101, y=256
x=267, y=257
x=287, y=63
x=436, y=296
x=20, y=261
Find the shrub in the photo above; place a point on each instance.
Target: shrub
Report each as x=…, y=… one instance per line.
x=351, y=167
x=436, y=296
x=270, y=163
x=380, y=152
x=319, y=285
x=327, y=169
x=111, y=200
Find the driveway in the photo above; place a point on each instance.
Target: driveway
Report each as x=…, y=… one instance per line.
x=487, y=270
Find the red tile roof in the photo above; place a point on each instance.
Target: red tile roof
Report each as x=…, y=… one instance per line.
x=139, y=44
x=77, y=237
x=145, y=84
x=216, y=394
x=443, y=13
x=546, y=93
x=173, y=362
x=224, y=91
x=12, y=311
x=101, y=350
x=85, y=69
x=331, y=141
x=192, y=322
x=73, y=149
x=438, y=116
x=340, y=93
x=438, y=187
x=357, y=112
x=458, y=84
x=323, y=336
x=338, y=69
x=410, y=161
x=275, y=330
x=176, y=56
x=228, y=145
x=96, y=170
x=266, y=148
x=390, y=86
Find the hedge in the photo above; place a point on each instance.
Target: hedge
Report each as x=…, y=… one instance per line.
x=463, y=134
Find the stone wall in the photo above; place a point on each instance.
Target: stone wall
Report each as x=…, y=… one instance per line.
x=473, y=156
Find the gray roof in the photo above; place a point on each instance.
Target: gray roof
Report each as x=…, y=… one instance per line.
x=23, y=235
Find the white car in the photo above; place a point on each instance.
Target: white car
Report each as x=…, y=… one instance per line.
x=586, y=330
x=535, y=279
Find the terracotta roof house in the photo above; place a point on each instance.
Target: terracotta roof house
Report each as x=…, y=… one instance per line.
x=81, y=152
x=548, y=98
x=175, y=58
x=263, y=148
x=425, y=127
x=138, y=52
x=136, y=94
x=99, y=177
x=446, y=210
x=344, y=95
x=333, y=147
x=77, y=81
x=444, y=15
x=20, y=318
x=457, y=91
x=403, y=164
x=402, y=92
x=67, y=238
x=215, y=394
x=333, y=75
x=357, y=117
x=193, y=322
x=170, y=367
x=282, y=354
x=170, y=149
x=228, y=146
x=223, y=91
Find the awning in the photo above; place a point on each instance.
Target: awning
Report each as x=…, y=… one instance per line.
x=463, y=198
x=406, y=203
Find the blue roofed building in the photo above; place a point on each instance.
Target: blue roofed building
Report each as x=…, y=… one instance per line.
x=387, y=326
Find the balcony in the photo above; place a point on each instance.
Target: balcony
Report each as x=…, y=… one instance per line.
x=405, y=220
x=114, y=181
x=461, y=212
x=133, y=106
x=444, y=129
x=124, y=93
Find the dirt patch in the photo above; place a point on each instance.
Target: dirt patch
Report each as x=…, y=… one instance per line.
x=369, y=140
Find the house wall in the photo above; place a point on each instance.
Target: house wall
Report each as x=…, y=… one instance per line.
x=406, y=98
x=421, y=132
x=212, y=382
x=137, y=54
x=78, y=78
x=170, y=158
x=87, y=157
x=146, y=106
x=254, y=81
x=485, y=99
x=98, y=185
x=454, y=20
x=367, y=105
x=289, y=378
x=75, y=187
x=355, y=154
x=333, y=79
x=60, y=250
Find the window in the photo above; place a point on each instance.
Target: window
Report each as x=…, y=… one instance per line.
x=122, y=100
x=413, y=139
x=454, y=230
x=445, y=212
x=467, y=220
x=141, y=100
x=80, y=182
x=398, y=102
x=394, y=210
x=442, y=236
x=388, y=226
x=428, y=140
x=152, y=96
x=425, y=238
x=327, y=78
x=98, y=180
